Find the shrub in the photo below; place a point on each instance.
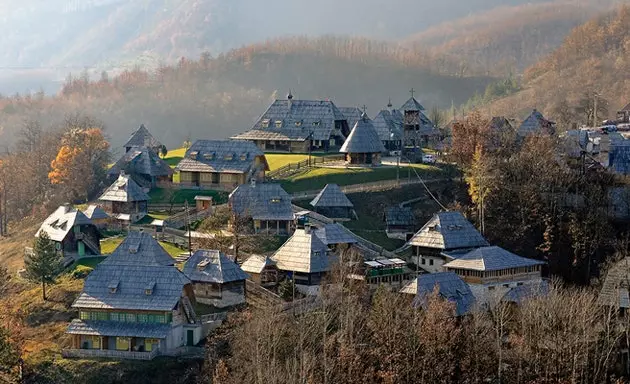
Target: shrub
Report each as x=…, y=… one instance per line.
x=81, y=272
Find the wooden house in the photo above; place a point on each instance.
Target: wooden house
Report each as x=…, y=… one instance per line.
x=537, y=124
x=363, y=146
x=491, y=272
x=221, y=164
x=304, y=258
x=389, y=272
x=418, y=129
x=266, y=204
x=619, y=156
x=389, y=126
x=399, y=222
x=145, y=167
x=444, y=233
x=97, y=216
x=450, y=287
x=299, y=126
x=134, y=305
x=125, y=200
x=217, y=280
x=73, y=233
x=333, y=203
x=261, y=269
x=336, y=237
x=142, y=138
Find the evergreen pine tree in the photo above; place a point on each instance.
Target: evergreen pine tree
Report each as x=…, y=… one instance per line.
x=44, y=264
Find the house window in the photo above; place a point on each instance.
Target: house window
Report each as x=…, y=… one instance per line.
x=278, y=123
x=298, y=123
x=430, y=261
x=265, y=123
x=130, y=317
x=83, y=315
x=228, y=156
x=96, y=342
x=193, y=155
x=519, y=284
x=423, y=261
x=160, y=319
x=122, y=343
x=149, y=344
x=316, y=123
x=506, y=285
x=275, y=200
x=317, y=253
x=103, y=316
x=142, y=318
x=208, y=156
x=243, y=156
x=114, y=316
x=491, y=288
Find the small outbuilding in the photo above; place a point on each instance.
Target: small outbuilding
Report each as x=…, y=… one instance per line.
x=336, y=236
x=125, y=200
x=363, y=146
x=98, y=217
x=449, y=287
x=333, y=203
x=262, y=269
x=266, y=204
x=73, y=233
x=400, y=222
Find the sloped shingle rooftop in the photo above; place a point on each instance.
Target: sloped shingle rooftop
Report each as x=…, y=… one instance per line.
x=124, y=190
x=335, y=234
x=118, y=328
x=399, y=216
x=412, y=105
x=450, y=287
x=331, y=196
x=262, y=201
x=94, y=212
x=524, y=292
x=352, y=114
x=534, y=123
x=363, y=138
x=212, y=266
x=448, y=230
x=139, y=248
x=617, y=285
x=619, y=157
x=303, y=252
x=490, y=259
x=257, y=263
x=388, y=125
x=60, y=223
x=230, y=156
x=142, y=138
x=141, y=160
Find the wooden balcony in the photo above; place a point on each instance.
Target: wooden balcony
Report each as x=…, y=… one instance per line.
x=108, y=354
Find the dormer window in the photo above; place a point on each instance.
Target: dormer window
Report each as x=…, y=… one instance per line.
x=148, y=289
x=317, y=253
x=243, y=156
x=193, y=155
x=208, y=156
x=228, y=156
x=316, y=123
x=265, y=123
x=202, y=264
x=113, y=286
x=278, y=123
x=298, y=123
x=275, y=200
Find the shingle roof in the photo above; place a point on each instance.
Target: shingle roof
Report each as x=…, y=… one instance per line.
x=616, y=285
x=412, y=105
x=388, y=125
x=125, y=190
x=94, y=212
x=231, y=156
x=448, y=230
x=139, y=248
x=399, y=216
x=450, y=287
x=212, y=266
x=491, y=259
x=297, y=118
x=257, y=263
x=142, y=138
x=60, y=223
x=118, y=328
x=331, y=196
x=303, y=252
x=524, y=292
x=619, y=157
x=500, y=123
x=335, y=234
x=352, y=114
x=363, y=138
x=534, y=123
x=141, y=160
x=130, y=283
x=261, y=201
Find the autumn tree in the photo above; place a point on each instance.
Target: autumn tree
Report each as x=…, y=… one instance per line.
x=44, y=263
x=467, y=135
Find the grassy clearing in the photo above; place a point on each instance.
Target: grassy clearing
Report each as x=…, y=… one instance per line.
x=90, y=262
x=278, y=160
x=109, y=245
x=163, y=196
x=174, y=156
x=317, y=178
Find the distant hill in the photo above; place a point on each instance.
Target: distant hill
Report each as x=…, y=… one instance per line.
x=508, y=38
x=594, y=57
x=215, y=98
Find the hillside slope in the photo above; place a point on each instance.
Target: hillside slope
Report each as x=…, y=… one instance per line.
x=593, y=58
x=216, y=98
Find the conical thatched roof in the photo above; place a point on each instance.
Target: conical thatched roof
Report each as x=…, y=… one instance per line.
x=363, y=138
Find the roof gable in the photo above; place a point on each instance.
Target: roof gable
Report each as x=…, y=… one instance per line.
x=261, y=201
x=450, y=287
x=60, y=223
x=212, y=266
x=139, y=248
x=142, y=138
x=331, y=196
x=94, y=212
x=535, y=123
x=141, y=160
x=124, y=190
x=257, y=263
x=446, y=231
x=303, y=252
x=363, y=138
x=412, y=105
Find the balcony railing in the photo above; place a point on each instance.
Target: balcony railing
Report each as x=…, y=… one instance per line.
x=108, y=353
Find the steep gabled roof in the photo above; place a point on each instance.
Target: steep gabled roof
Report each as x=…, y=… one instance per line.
x=124, y=190
x=296, y=119
x=261, y=201
x=535, y=123
x=231, y=156
x=331, y=196
x=60, y=223
x=143, y=161
x=522, y=293
x=303, y=252
x=412, y=105
x=94, y=212
x=490, y=259
x=352, y=114
x=388, y=125
x=619, y=157
x=399, y=216
x=139, y=248
x=257, y=263
x=616, y=287
x=363, y=138
x=450, y=287
x=212, y=266
x=448, y=230
x=335, y=234
x=142, y=138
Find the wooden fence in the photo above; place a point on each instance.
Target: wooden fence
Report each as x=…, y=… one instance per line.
x=304, y=164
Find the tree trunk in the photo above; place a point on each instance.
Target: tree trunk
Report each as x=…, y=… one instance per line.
x=43, y=289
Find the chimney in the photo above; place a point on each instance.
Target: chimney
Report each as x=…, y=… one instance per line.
x=307, y=228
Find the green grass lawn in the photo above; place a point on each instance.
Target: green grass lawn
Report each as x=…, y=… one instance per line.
x=278, y=160
x=88, y=262
x=108, y=246
x=174, y=156
x=161, y=196
x=317, y=178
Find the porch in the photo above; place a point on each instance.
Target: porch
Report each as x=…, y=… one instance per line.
x=109, y=354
